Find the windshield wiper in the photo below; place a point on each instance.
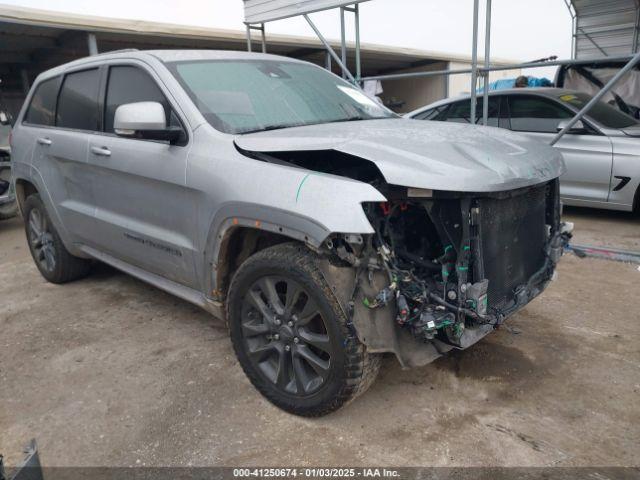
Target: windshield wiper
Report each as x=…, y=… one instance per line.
x=268, y=128
x=279, y=127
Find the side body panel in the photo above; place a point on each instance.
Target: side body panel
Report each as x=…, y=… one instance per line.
x=144, y=213
x=625, y=181
x=588, y=159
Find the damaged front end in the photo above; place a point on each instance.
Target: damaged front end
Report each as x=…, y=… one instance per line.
x=443, y=269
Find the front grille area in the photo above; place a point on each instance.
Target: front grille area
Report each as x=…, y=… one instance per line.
x=513, y=238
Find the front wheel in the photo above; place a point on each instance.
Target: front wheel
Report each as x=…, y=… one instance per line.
x=291, y=335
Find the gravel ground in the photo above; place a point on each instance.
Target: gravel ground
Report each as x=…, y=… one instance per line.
x=110, y=371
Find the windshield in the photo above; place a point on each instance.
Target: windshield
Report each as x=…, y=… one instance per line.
x=604, y=114
x=241, y=96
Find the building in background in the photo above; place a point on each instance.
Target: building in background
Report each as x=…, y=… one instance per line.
x=32, y=41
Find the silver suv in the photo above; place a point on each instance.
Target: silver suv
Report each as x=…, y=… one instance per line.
x=323, y=227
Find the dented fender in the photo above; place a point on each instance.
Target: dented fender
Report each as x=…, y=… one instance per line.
x=318, y=205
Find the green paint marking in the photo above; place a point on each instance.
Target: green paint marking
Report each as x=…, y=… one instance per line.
x=466, y=248
x=447, y=248
x=300, y=186
x=463, y=269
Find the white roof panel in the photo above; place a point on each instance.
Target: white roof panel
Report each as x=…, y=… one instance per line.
x=259, y=11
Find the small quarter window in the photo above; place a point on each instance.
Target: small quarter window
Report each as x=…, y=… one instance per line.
x=42, y=108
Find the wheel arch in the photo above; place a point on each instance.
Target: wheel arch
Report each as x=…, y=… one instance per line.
x=241, y=229
x=24, y=188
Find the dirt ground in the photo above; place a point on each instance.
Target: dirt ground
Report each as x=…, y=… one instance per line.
x=109, y=371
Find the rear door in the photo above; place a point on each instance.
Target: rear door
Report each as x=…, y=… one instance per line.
x=144, y=212
x=61, y=131
x=588, y=156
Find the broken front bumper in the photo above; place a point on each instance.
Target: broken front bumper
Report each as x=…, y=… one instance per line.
x=497, y=252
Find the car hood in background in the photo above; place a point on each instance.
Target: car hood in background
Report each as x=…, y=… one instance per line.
x=424, y=154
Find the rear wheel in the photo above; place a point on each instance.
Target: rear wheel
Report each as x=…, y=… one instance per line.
x=51, y=257
x=291, y=335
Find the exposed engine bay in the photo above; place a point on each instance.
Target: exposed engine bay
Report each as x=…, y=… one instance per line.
x=456, y=264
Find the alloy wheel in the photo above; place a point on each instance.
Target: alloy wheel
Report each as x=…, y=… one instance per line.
x=285, y=335
x=41, y=240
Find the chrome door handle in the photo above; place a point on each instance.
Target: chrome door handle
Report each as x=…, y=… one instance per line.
x=44, y=141
x=102, y=151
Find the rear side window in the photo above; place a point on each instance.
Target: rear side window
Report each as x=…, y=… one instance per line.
x=78, y=100
x=42, y=108
x=129, y=84
x=535, y=114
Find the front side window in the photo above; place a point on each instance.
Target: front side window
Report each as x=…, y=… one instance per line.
x=460, y=112
x=42, y=108
x=241, y=96
x=535, y=114
x=129, y=84
x=78, y=100
x=437, y=114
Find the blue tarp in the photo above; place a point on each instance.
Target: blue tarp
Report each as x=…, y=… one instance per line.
x=511, y=83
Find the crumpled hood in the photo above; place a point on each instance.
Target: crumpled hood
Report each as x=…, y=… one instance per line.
x=425, y=154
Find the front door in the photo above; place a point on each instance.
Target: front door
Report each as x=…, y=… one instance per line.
x=144, y=211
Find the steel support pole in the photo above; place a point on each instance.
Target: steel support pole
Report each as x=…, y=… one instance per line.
x=343, y=40
x=636, y=30
x=24, y=77
x=92, y=44
x=248, y=38
x=430, y=73
x=487, y=53
x=495, y=68
x=632, y=63
x=474, y=61
x=358, y=65
x=329, y=49
x=327, y=60
x=264, y=39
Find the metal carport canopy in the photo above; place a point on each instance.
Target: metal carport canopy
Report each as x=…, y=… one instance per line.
x=611, y=16
x=604, y=28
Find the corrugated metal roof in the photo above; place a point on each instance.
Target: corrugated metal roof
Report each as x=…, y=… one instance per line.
x=258, y=11
x=606, y=28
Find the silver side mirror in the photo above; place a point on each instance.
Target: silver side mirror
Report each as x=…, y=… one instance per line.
x=135, y=117
x=577, y=128
x=145, y=120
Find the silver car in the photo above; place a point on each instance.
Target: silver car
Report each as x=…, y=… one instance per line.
x=602, y=153
x=325, y=229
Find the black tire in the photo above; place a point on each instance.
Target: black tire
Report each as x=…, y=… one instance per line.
x=51, y=257
x=326, y=364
